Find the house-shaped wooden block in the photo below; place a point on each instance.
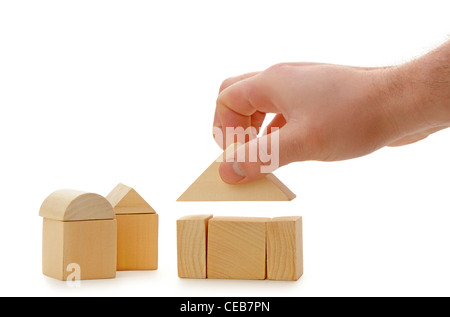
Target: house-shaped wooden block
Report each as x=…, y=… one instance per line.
x=79, y=231
x=137, y=230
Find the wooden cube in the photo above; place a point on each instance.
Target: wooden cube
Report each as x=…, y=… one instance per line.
x=137, y=242
x=284, y=249
x=191, y=245
x=237, y=248
x=137, y=230
x=79, y=228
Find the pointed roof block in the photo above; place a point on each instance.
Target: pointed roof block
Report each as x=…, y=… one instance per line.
x=210, y=187
x=125, y=200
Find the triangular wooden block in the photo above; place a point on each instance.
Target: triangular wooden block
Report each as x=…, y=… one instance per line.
x=210, y=187
x=125, y=200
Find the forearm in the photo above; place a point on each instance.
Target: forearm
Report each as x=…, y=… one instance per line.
x=421, y=91
x=432, y=81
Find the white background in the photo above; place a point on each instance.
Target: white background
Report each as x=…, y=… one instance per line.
x=93, y=93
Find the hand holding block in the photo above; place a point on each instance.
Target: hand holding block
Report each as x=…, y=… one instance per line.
x=79, y=228
x=191, y=246
x=284, y=249
x=209, y=186
x=137, y=230
x=237, y=248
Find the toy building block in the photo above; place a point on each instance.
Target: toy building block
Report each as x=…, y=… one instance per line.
x=78, y=228
x=137, y=230
x=284, y=248
x=237, y=248
x=191, y=245
x=210, y=187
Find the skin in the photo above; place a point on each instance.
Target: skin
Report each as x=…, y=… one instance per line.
x=332, y=112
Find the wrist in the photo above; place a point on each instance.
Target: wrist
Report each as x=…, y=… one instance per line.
x=430, y=81
x=416, y=95
x=429, y=78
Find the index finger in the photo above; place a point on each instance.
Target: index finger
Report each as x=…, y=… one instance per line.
x=243, y=105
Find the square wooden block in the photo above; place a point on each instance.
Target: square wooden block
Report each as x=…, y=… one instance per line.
x=284, y=249
x=91, y=245
x=237, y=248
x=137, y=242
x=191, y=245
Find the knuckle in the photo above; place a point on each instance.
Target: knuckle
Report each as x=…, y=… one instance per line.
x=280, y=68
x=225, y=84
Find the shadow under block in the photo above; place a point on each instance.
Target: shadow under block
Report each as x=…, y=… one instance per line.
x=192, y=232
x=237, y=248
x=284, y=248
x=209, y=186
x=137, y=230
x=78, y=228
x=137, y=242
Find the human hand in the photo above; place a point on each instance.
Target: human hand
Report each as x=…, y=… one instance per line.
x=327, y=112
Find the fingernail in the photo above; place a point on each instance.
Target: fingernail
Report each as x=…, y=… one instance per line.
x=237, y=169
x=231, y=172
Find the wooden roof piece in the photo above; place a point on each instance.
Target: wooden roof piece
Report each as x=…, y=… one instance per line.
x=73, y=205
x=209, y=186
x=125, y=200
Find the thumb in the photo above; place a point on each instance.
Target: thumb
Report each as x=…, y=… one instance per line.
x=260, y=156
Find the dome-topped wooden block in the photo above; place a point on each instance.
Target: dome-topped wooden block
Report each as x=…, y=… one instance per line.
x=74, y=205
x=79, y=233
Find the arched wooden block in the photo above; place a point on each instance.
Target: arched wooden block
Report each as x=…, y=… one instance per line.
x=79, y=230
x=74, y=205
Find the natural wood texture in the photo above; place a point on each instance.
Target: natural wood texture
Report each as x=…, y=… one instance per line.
x=125, y=200
x=209, y=186
x=53, y=249
x=236, y=248
x=191, y=245
x=284, y=248
x=90, y=244
x=137, y=242
x=73, y=205
x=78, y=228
x=137, y=230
